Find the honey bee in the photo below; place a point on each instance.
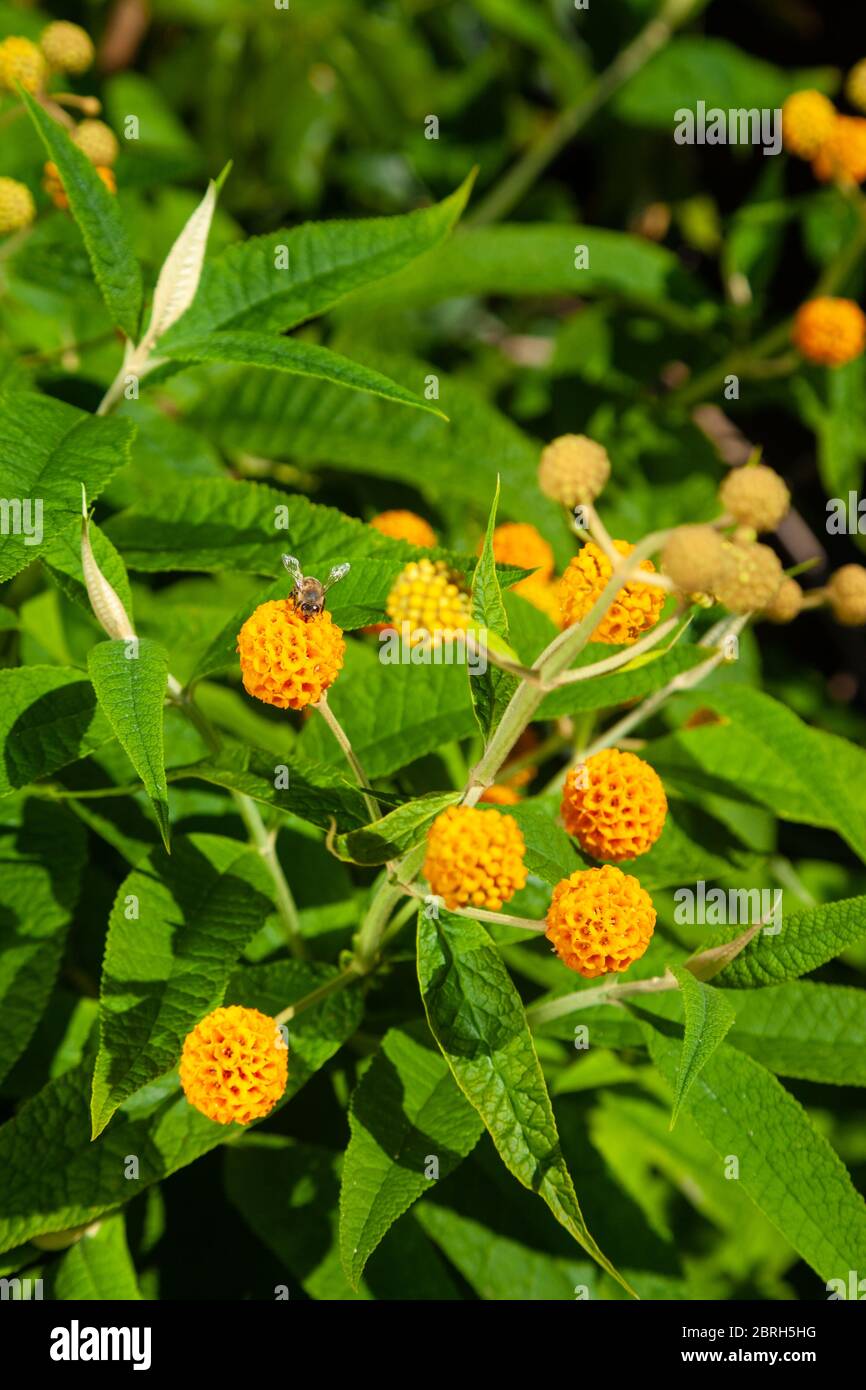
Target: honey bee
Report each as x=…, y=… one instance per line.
x=308, y=592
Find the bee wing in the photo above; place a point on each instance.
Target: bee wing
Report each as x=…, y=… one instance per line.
x=294, y=568
x=337, y=573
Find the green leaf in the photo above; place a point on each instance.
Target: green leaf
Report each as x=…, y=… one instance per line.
x=492, y=690
x=406, y=1108
x=708, y=1017
x=807, y=940
x=500, y=1268
x=287, y=1193
x=540, y=259
x=98, y=1267
x=47, y=450
x=678, y=856
x=55, y=1177
x=277, y=281
x=693, y=68
x=298, y=358
x=393, y=714
x=48, y=718
x=315, y=793
x=43, y=851
x=477, y=1018
x=314, y=422
x=130, y=680
x=95, y=210
x=550, y=854
x=839, y=424
x=217, y=524
x=770, y=756
x=394, y=833
x=617, y=687
x=787, y=1168
x=810, y=1031
x=177, y=927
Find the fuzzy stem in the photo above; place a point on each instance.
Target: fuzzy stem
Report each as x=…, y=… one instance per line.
x=599, y=994
x=317, y=995
x=265, y=843
x=252, y=819
x=333, y=723
x=613, y=663
x=685, y=681
x=552, y=662
x=481, y=914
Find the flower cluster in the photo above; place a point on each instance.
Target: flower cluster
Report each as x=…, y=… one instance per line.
x=600, y=920
x=835, y=143
x=234, y=1065
x=636, y=607
x=289, y=660
x=430, y=598
x=475, y=858
x=614, y=805
x=63, y=49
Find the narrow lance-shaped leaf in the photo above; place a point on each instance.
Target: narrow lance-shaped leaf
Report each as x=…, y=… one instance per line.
x=48, y=449
x=708, y=1018
x=277, y=281
x=98, y=1267
x=491, y=690
x=394, y=833
x=406, y=1107
x=49, y=717
x=130, y=679
x=298, y=358
x=806, y=940
x=477, y=1018
x=812, y=1031
x=115, y=268
x=43, y=853
x=784, y=1164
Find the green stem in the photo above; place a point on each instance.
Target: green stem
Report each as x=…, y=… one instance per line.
x=555, y=659
x=522, y=175
x=333, y=723
x=481, y=914
x=265, y=843
x=599, y=994
x=369, y=939
x=317, y=995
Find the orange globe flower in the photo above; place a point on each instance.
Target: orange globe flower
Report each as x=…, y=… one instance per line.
x=234, y=1065
x=842, y=156
x=522, y=545
x=475, y=858
x=288, y=660
x=404, y=526
x=830, y=331
x=614, y=805
x=600, y=920
x=635, y=609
